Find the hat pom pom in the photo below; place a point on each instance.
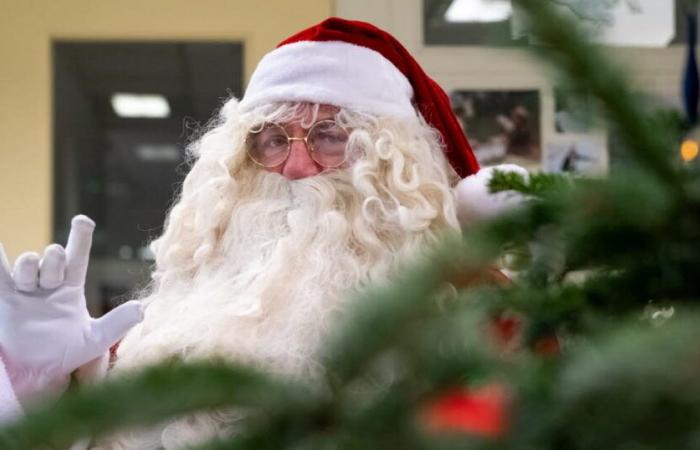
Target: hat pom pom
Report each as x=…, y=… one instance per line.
x=476, y=203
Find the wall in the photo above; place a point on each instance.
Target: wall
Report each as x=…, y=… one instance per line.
x=656, y=72
x=27, y=29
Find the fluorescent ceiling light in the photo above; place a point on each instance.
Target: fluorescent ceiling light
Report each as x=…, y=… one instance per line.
x=150, y=106
x=166, y=153
x=479, y=11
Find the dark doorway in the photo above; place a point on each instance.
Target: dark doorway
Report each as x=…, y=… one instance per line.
x=122, y=166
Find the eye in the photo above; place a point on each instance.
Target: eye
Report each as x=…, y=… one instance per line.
x=275, y=141
x=329, y=134
x=271, y=138
x=331, y=138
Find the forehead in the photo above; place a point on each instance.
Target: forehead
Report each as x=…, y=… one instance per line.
x=326, y=111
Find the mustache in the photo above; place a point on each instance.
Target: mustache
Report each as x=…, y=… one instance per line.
x=327, y=190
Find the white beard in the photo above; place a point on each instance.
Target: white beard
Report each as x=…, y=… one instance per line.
x=267, y=297
x=268, y=294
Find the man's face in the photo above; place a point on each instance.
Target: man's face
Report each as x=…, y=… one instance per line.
x=299, y=164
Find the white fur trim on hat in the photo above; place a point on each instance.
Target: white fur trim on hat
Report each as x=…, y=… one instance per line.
x=334, y=73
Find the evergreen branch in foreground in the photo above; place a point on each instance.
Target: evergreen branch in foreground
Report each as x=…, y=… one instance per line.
x=167, y=390
x=629, y=386
x=536, y=184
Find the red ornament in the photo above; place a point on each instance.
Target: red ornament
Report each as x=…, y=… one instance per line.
x=506, y=329
x=547, y=346
x=482, y=412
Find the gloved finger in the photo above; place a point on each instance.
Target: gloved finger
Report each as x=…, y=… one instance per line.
x=52, y=267
x=26, y=272
x=5, y=273
x=110, y=328
x=78, y=250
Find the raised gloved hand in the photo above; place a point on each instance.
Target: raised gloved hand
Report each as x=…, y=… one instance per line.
x=475, y=202
x=46, y=331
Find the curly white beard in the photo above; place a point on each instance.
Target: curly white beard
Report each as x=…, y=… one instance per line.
x=267, y=297
x=262, y=279
x=268, y=293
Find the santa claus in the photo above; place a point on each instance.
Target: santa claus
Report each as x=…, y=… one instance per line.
x=337, y=166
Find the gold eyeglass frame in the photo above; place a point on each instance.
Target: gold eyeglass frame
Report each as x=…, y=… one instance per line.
x=305, y=139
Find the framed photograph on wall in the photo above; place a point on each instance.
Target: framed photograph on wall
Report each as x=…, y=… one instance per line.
x=579, y=153
x=501, y=125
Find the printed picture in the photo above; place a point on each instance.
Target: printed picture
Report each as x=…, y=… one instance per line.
x=577, y=153
x=502, y=126
x=572, y=113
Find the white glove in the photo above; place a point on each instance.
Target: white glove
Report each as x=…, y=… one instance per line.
x=46, y=331
x=475, y=202
x=10, y=408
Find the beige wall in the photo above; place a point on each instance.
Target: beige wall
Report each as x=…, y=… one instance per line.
x=656, y=72
x=27, y=28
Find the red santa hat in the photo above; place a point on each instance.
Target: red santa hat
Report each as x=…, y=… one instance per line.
x=355, y=65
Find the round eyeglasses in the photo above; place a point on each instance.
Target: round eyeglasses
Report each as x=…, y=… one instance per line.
x=326, y=142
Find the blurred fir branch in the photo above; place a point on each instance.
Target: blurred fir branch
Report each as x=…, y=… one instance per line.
x=630, y=387
x=596, y=343
x=167, y=390
x=537, y=184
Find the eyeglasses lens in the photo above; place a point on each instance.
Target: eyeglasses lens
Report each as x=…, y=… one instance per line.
x=328, y=142
x=268, y=147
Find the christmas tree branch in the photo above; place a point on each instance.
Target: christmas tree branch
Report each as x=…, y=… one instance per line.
x=159, y=392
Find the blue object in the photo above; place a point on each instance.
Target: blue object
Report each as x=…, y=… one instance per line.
x=691, y=81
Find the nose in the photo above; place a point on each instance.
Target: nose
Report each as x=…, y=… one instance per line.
x=299, y=164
